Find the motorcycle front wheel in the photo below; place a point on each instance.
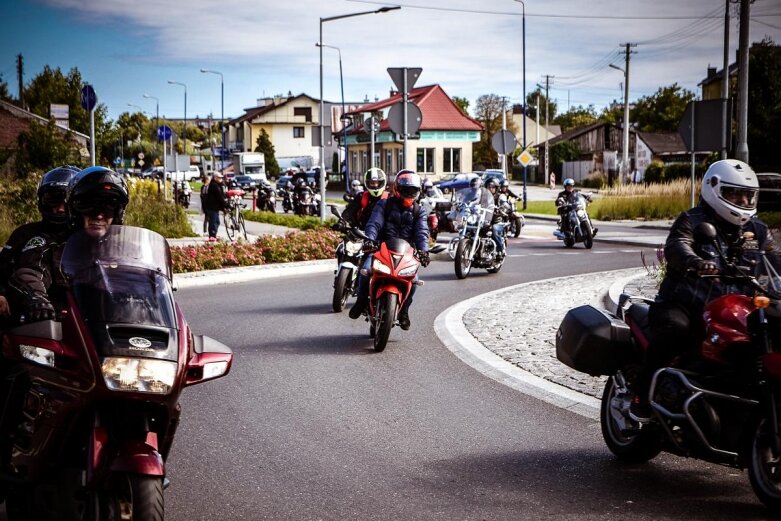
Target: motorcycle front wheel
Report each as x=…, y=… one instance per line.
x=764, y=472
x=132, y=497
x=517, y=226
x=588, y=236
x=463, y=261
x=386, y=315
x=341, y=289
x=628, y=440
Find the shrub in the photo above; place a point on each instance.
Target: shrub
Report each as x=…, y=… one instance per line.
x=654, y=173
x=301, y=222
x=18, y=203
x=595, y=180
x=148, y=209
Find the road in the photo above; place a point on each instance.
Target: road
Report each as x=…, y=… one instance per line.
x=312, y=424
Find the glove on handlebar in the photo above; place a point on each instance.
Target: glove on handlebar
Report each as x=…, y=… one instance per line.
x=370, y=246
x=423, y=257
x=39, y=308
x=705, y=267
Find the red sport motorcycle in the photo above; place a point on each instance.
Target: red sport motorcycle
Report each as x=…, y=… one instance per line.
x=720, y=405
x=92, y=398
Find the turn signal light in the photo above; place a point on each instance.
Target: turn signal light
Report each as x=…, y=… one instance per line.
x=761, y=302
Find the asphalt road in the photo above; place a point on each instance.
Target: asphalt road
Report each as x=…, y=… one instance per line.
x=312, y=424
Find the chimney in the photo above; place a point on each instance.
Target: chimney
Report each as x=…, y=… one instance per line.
x=262, y=102
x=711, y=72
x=393, y=93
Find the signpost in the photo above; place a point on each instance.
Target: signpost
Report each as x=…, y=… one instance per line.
x=372, y=126
x=405, y=78
x=88, y=100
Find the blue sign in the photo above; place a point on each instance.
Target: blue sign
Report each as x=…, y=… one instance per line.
x=164, y=133
x=117, y=162
x=88, y=97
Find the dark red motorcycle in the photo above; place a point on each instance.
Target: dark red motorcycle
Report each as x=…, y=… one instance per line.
x=720, y=405
x=92, y=397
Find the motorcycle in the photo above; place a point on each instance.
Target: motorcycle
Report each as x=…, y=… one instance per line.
x=514, y=218
x=395, y=266
x=267, y=197
x=92, y=397
x=183, y=193
x=306, y=202
x=286, y=194
x=720, y=405
x=436, y=205
x=474, y=245
x=349, y=254
x=575, y=225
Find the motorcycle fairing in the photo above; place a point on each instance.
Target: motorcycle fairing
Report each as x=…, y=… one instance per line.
x=380, y=283
x=726, y=325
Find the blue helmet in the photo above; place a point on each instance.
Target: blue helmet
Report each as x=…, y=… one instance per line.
x=569, y=182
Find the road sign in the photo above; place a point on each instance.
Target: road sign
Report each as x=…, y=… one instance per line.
x=140, y=155
x=525, y=158
x=397, y=75
x=117, y=161
x=140, y=162
x=88, y=97
x=327, y=137
x=371, y=123
x=504, y=142
x=396, y=118
x=164, y=133
x=708, y=125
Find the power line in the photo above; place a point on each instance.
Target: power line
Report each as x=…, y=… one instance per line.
x=765, y=23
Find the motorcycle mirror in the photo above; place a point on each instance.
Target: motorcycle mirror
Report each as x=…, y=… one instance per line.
x=335, y=211
x=705, y=233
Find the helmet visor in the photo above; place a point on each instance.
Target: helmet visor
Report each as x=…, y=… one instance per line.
x=409, y=192
x=374, y=184
x=94, y=207
x=745, y=198
x=53, y=199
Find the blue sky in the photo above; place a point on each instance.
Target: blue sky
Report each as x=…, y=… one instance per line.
x=126, y=48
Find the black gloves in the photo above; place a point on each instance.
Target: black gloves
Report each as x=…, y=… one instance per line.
x=39, y=308
x=370, y=246
x=337, y=227
x=705, y=267
x=424, y=258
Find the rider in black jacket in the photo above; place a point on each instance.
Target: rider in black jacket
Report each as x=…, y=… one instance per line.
x=360, y=208
x=728, y=202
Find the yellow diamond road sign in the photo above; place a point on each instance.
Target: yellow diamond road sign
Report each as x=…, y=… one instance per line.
x=525, y=158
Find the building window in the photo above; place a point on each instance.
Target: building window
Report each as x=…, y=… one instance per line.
x=364, y=161
x=389, y=160
x=354, y=162
x=425, y=160
x=399, y=159
x=451, y=160
x=303, y=111
x=298, y=132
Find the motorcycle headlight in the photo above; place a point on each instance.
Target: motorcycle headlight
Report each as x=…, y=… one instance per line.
x=377, y=265
x=144, y=375
x=472, y=218
x=39, y=355
x=408, y=272
x=353, y=248
x=581, y=213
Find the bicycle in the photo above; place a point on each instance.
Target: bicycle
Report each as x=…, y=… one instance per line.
x=233, y=218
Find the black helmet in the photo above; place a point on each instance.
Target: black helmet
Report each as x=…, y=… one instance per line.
x=504, y=184
x=491, y=183
x=97, y=189
x=52, y=191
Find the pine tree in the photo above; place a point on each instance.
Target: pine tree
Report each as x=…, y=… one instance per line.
x=263, y=144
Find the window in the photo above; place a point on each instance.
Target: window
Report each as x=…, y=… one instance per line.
x=451, y=160
x=298, y=132
x=364, y=161
x=388, y=161
x=303, y=111
x=354, y=162
x=425, y=160
x=399, y=159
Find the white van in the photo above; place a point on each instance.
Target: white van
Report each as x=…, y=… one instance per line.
x=193, y=174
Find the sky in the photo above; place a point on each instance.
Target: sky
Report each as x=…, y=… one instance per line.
x=128, y=48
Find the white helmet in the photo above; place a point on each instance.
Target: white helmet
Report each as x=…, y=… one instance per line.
x=375, y=181
x=730, y=187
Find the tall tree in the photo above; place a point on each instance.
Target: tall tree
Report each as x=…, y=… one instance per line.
x=462, y=103
x=531, y=106
x=576, y=117
x=488, y=111
x=5, y=94
x=264, y=144
x=764, y=108
x=43, y=147
x=661, y=111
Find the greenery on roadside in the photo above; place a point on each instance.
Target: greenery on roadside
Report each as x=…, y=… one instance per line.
x=295, y=246
x=18, y=204
x=539, y=207
x=301, y=222
x=148, y=209
x=640, y=201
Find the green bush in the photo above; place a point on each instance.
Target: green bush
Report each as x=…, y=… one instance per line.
x=301, y=222
x=654, y=173
x=148, y=209
x=595, y=180
x=18, y=203
x=683, y=171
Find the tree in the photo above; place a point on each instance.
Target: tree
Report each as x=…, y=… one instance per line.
x=562, y=152
x=764, y=108
x=5, y=94
x=614, y=113
x=576, y=117
x=264, y=144
x=488, y=111
x=662, y=111
x=462, y=103
x=531, y=106
x=43, y=147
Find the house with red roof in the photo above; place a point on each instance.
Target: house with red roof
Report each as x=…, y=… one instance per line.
x=442, y=145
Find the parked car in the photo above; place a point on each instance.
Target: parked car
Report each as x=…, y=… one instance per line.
x=245, y=182
x=769, y=192
x=495, y=174
x=155, y=172
x=283, y=180
x=456, y=183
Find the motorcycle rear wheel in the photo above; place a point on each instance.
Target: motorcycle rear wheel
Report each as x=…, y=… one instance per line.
x=341, y=290
x=462, y=260
x=639, y=447
x=763, y=473
x=496, y=267
x=387, y=315
x=588, y=236
x=517, y=226
x=569, y=242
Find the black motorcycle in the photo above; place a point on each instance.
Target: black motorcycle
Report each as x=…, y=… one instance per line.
x=267, y=197
x=349, y=253
x=286, y=195
x=575, y=224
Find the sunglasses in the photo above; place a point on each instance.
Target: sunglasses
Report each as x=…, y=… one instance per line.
x=52, y=199
x=95, y=208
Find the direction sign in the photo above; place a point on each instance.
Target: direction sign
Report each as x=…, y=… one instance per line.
x=88, y=97
x=140, y=162
x=396, y=118
x=504, y=142
x=164, y=133
x=525, y=158
x=708, y=125
x=397, y=75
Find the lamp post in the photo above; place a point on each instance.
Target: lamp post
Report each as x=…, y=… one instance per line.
x=344, y=125
x=222, y=113
x=523, y=33
x=320, y=122
x=625, y=154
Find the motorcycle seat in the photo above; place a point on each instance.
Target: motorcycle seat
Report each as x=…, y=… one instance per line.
x=637, y=318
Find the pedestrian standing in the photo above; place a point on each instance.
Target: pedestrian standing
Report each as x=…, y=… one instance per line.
x=204, y=190
x=216, y=202
x=552, y=181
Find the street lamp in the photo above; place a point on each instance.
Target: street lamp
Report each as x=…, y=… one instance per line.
x=184, y=129
x=320, y=123
x=625, y=154
x=344, y=125
x=222, y=112
x=523, y=32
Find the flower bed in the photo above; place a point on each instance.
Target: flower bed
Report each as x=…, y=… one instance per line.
x=295, y=246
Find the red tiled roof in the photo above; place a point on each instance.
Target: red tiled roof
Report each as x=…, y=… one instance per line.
x=439, y=111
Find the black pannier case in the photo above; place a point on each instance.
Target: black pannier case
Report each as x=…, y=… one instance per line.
x=593, y=341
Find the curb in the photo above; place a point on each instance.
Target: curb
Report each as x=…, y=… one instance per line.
x=250, y=273
x=610, y=299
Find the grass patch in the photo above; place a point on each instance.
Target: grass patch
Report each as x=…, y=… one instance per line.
x=301, y=222
x=539, y=207
x=646, y=202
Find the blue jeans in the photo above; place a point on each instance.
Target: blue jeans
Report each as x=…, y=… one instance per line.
x=499, y=231
x=214, y=222
x=363, y=285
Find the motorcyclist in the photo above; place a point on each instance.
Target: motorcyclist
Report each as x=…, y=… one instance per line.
x=359, y=210
x=504, y=188
x=51, y=229
x=300, y=188
x=398, y=216
x=96, y=199
x=356, y=189
x=568, y=197
x=499, y=219
x=728, y=201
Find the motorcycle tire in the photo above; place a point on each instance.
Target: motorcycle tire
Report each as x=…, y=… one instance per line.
x=496, y=266
x=341, y=290
x=763, y=473
x=517, y=226
x=569, y=242
x=588, y=236
x=143, y=494
x=387, y=308
x=642, y=445
x=462, y=262
x=271, y=207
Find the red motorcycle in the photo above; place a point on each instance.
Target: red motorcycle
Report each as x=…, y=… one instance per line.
x=394, y=269
x=720, y=405
x=92, y=397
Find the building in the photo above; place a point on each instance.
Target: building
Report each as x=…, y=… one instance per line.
x=667, y=147
x=442, y=145
x=536, y=132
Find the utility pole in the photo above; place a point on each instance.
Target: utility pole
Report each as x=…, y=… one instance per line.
x=625, y=156
x=741, y=151
x=725, y=119
x=504, y=127
x=547, y=104
x=20, y=77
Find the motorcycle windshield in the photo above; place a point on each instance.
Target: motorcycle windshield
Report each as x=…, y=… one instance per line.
x=580, y=201
x=467, y=195
x=121, y=278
